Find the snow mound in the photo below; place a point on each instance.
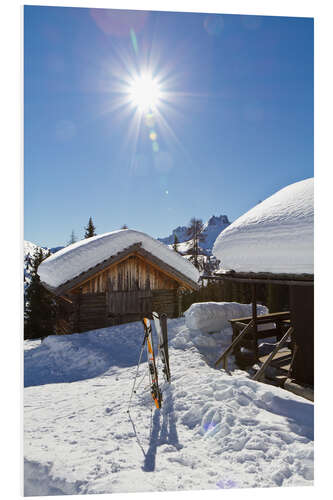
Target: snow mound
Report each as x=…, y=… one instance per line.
x=80, y=356
x=215, y=316
x=82, y=255
x=275, y=236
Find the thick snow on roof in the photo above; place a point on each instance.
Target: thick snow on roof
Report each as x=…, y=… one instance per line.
x=275, y=236
x=82, y=255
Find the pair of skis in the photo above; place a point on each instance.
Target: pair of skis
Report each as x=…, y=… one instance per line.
x=162, y=336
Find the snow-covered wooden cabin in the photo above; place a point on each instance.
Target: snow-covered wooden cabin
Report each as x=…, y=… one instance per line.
x=273, y=243
x=115, y=278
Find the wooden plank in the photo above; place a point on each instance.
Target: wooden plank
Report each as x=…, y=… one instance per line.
x=125, y=302
x=275, y=279
x=234, y=344
x=264, y=317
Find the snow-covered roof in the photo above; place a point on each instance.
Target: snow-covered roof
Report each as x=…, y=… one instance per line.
x=77, y=258
x=274, y=236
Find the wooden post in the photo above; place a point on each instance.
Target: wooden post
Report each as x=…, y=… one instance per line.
x=233, y=345
x=254, y=317
x=77, y=320
x=179, y=295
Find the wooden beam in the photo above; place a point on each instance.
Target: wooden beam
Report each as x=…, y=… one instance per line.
x=279, y=280
x=265, y=318
x=254, y=317
x=233, y=344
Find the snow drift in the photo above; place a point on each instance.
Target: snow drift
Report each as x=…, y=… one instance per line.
x=82, y=255
x=275, y=236
x=214, y=316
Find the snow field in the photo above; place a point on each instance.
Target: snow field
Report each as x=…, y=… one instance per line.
x=213, y=431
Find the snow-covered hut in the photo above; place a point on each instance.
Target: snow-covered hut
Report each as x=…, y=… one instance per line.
x=115, y=278
x=273, y=243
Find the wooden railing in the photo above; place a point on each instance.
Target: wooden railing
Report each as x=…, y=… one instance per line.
x=278, y=346
x=224, y=357
x=248, y=324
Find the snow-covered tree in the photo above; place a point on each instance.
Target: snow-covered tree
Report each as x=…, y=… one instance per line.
x=40, y=313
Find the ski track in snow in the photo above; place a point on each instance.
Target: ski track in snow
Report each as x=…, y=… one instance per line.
x=213, y=431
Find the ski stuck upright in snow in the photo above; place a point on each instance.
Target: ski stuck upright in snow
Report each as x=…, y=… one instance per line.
x=162, y=336
x=155, y=390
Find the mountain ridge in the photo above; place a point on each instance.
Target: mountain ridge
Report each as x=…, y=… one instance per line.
x=211, y=229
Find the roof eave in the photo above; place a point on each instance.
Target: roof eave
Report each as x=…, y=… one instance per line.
x=133, y=249
x=293, y=279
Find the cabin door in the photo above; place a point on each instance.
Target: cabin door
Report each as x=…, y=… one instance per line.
x=132, y=302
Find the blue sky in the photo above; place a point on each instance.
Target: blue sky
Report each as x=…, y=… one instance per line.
x=234, y=125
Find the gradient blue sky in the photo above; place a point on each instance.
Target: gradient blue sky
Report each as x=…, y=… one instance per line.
x=236, y=123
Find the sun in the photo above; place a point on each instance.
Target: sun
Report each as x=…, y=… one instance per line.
x=145, y=92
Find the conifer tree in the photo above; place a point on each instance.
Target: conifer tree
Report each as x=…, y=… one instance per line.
x=90, y=229
x=40, y=310
x=175, y=243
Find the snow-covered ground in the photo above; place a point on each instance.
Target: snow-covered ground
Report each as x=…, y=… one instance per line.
x=213, y=431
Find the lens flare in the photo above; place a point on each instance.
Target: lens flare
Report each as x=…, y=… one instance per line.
x=145, y=93
x=156, y=147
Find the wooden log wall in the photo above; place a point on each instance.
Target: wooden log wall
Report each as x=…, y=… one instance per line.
x=165, y=301
x=132, y=274
x=91, y=312
x=112, y=296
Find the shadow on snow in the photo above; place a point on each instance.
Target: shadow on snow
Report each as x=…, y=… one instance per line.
x=162, y=433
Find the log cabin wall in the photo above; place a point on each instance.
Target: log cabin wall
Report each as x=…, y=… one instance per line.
x=92, y=299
